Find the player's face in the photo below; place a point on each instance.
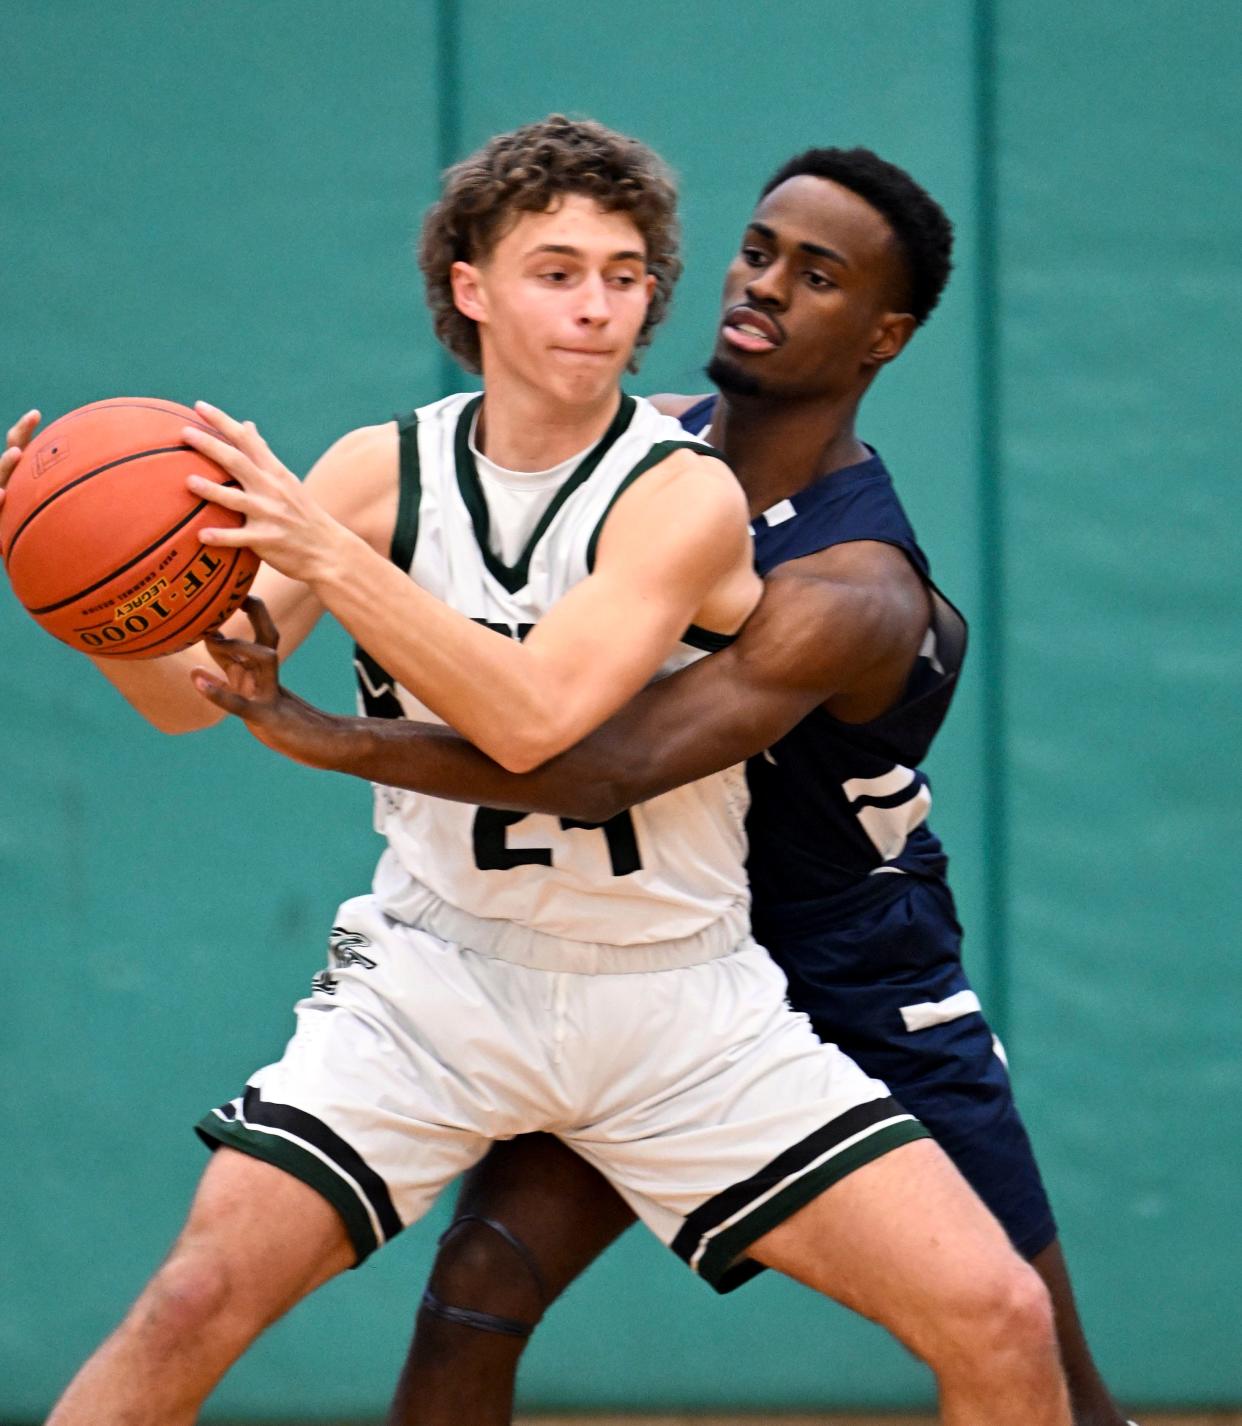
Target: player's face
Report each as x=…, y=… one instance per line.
x=812, y=299
x=560, y=300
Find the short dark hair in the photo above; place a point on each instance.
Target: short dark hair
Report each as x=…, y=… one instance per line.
x=528, y=171
x=920, y=225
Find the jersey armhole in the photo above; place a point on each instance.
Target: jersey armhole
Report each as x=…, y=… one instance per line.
x=654, y=456
x=706, y=639
x=409, y=492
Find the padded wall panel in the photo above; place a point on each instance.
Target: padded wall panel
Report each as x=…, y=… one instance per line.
x=212, y=201
x=1120, y=222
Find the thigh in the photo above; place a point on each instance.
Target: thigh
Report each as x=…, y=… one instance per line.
x=898, y=1241
x=546, y=1194
x=953, y=1079
x=887, y=985
x=260, y=1233
x=366, y=1106
x=734, y=1113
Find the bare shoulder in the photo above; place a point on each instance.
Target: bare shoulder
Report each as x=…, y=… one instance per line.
x=356, y=482
x=697, y=476
x=366, y=450
x=670, y=404
x=689, y=501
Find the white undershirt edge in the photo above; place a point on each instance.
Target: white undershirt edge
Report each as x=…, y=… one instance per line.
x=516, y=499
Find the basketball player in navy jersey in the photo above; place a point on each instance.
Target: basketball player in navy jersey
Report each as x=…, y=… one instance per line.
x=834, y=691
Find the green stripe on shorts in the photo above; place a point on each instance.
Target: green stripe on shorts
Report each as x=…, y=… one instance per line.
x=714, y=1266
x=285, y=1154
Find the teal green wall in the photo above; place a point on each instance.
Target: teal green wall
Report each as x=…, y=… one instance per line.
x=1120, y=222
x=221, y=201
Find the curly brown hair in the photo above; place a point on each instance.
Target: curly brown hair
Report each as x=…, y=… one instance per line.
x=528, y=171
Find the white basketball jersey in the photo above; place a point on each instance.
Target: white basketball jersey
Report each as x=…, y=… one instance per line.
x=662, y=884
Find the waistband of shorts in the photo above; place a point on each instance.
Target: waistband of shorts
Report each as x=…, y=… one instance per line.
x=537, y=950
x=826, y=915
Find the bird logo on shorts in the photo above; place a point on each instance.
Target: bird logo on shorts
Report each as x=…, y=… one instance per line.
x=323, y=982
x=344, y=947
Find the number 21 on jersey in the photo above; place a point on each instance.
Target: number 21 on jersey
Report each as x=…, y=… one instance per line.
x=493, y=853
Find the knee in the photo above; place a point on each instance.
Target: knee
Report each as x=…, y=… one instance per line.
x=1007, y=1317
x=190, y=1291
x=478, y=1269
x=1023, y=1311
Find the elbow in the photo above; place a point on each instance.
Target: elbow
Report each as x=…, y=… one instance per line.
x=524, y=749
x=604, y=797
x=522, y=755
x=174, y=727
x=175, y=719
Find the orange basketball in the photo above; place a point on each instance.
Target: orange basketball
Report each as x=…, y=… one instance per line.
x=100, y=535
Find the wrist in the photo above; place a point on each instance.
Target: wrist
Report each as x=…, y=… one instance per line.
x=338, y=552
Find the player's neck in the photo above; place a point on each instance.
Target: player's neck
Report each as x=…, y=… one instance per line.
x=523, y=429
x=779, y=447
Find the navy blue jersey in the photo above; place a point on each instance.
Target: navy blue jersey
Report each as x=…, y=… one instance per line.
x=834, y=803
x=874, y=959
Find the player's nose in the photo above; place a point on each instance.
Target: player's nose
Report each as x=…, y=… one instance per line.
x=593, y=305
x=769, y=286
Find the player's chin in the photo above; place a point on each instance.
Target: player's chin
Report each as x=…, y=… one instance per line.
x=585, y=378
x=738, y=378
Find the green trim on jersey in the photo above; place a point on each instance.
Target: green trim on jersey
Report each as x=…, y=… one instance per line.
x=514, y=577
x=654, y=456
x=273, y=1148
x=706, y=639
x=410, y=491
x=717, y=1265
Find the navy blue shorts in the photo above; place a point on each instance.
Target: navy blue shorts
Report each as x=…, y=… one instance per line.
x=878, y=971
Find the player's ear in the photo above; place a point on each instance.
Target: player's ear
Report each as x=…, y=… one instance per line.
x=649, y=282
x=468, y=291
x=892, y=333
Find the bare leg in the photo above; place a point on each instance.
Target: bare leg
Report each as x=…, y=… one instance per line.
x=564, y=1214
x=904, y=1241
x=1093, y=1406
x=255, y=1243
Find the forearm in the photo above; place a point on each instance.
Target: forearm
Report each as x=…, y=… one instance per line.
x=462, y=671
x=670, y=734
x=160, y=690
x=521, y=703
x=436, y=760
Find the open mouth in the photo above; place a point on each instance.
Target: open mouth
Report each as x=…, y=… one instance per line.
x=750, y=331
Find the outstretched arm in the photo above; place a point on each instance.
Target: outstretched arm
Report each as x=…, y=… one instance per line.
x=674, y=547
x=835, y=621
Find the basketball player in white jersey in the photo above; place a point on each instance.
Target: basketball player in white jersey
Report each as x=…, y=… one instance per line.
x=597, y=983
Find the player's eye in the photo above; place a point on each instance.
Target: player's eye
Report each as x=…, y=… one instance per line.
x=554, y=275
x=754, y=257
x=624, y=279
x=819, y=280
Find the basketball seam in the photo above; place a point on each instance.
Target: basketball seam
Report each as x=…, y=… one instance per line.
x=150, y=549
x=77, y=480
x=140, y=648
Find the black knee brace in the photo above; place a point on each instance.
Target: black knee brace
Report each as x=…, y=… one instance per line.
x=488, y=1321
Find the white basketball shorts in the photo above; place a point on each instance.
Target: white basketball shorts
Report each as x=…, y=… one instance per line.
x=707, y=1102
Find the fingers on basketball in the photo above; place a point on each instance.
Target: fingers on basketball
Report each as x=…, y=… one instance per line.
x=242, y=434
x=102, y=541
x=16, y=441
x=22, y=429
x=215, y=447
x=261, y=621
